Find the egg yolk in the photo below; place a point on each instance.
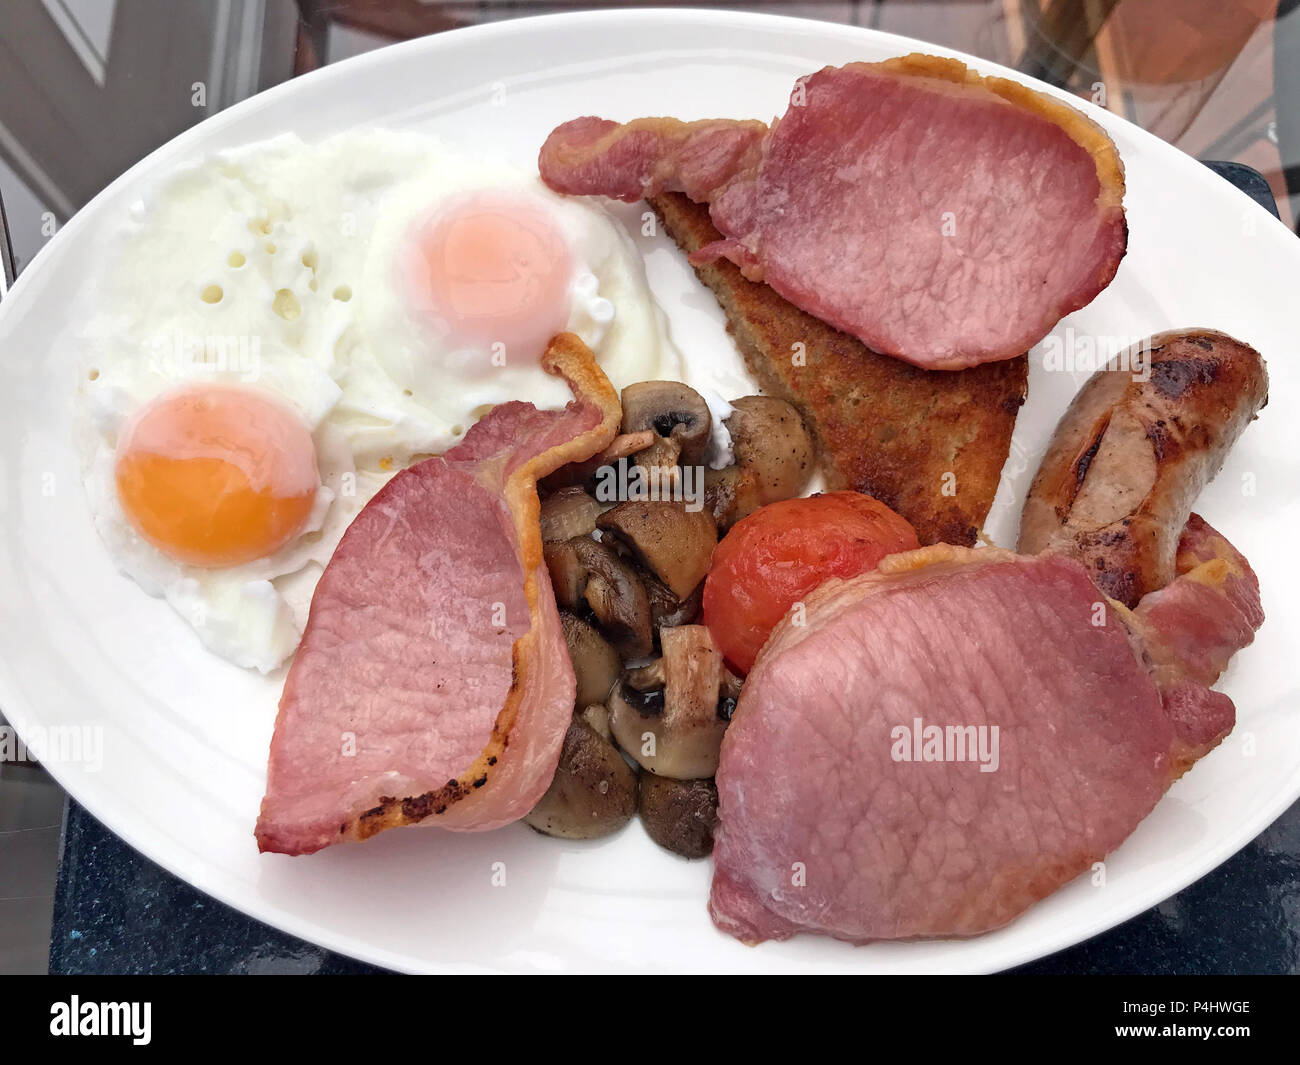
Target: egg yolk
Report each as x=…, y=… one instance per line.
x=496, y=270
x=217, y=475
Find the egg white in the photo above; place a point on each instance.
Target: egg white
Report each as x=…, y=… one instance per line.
x=275, y=266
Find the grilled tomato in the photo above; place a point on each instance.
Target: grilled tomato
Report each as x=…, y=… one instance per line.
x=772, y=559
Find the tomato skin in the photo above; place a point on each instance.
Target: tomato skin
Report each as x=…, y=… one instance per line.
x=772, y=559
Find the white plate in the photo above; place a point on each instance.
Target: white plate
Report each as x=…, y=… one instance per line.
x=185, y=735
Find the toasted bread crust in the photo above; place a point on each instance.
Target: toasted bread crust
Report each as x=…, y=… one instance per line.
x=928, y=443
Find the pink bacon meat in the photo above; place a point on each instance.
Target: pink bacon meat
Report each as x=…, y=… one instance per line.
x=1098, y=710
x=432, y=681
x=940, y=217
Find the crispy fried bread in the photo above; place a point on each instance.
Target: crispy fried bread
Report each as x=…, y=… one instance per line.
x=928, y=443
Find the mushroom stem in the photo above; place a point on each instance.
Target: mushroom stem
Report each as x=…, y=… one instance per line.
x=675, y=730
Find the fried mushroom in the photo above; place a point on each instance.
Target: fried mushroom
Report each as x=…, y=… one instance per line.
x=670, y=715
x=593, y=792
x=673, y=543
x=730, y=494
x=568, y=513
x=770, y=440
x=666, y=610
x=775, y=459
x=679, y=815
x=676, y=413
x=589, y=576
x=596, y=665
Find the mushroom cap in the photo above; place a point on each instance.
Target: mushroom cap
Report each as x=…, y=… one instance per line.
x=593, y=792
x=673, y=410
x=771, y=442
x=679, y=815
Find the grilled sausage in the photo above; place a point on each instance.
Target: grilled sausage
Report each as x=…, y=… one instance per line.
x=1131, y=455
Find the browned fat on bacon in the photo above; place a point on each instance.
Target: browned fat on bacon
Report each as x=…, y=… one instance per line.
x=941, y=217
x=834, y=819
x=432, y=681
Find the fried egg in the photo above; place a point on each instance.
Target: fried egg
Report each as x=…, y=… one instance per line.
x=282, y=327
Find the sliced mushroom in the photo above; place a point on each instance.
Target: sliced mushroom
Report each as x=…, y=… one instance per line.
x=587, y=575
x=595, y=663
x=679, y=815
x=666, y=715
x=675, y=412
x=674, y=543
x=620, y=605
x=593, y=792
x=568, y=513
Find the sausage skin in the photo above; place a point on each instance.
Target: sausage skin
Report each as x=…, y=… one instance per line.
x=1130, y=456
